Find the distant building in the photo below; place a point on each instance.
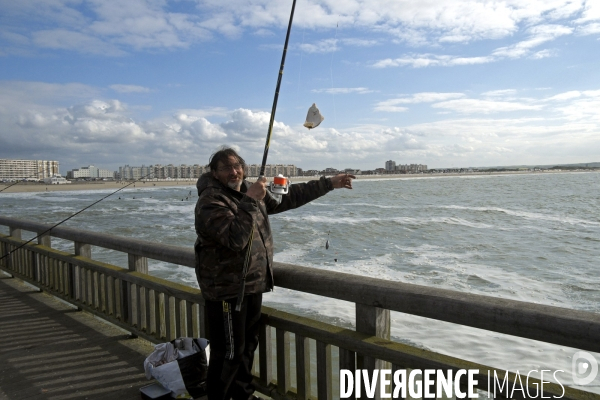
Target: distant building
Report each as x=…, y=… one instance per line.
x=411, y=168
x=310, y=172
x=159, y=171
x=392, y=168
x=89, y=172
x=55, y=180
x=272, y=170
x=27, y=169
x=329, y=171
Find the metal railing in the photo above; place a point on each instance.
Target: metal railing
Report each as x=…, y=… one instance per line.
x=159, y=310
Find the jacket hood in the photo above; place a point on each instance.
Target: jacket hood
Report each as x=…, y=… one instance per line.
x=206, y=180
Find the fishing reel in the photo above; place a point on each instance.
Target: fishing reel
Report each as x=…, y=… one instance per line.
x=279, y=186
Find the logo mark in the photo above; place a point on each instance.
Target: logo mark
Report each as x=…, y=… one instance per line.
x=585, y=368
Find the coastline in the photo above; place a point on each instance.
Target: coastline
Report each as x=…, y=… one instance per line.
x=28, y=187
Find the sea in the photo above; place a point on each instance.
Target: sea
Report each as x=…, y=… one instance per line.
x=528, y=237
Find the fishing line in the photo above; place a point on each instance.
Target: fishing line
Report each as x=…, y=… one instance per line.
x=71, y=216
x=300, y=71
x=331, y=72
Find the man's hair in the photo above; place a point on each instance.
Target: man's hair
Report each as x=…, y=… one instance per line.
x=223, y=155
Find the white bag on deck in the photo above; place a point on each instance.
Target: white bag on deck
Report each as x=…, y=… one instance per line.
x=180, y=366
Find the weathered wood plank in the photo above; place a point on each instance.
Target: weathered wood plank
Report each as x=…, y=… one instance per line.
x=163, y=315
x=196, y=332
x=324, y=371
x=303, y=386
x=172, y=321
x=189, y=326
x=111, y=296
x=348, y=361
x=264, y=347
x=137, y=263
x=283, y=361
x=101, y=367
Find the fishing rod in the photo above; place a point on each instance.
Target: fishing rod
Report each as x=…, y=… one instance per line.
x=72, y=215
x=285, y=46
x=280, y=185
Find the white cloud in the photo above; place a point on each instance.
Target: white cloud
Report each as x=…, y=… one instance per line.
x=102, y=132
x=389, y=106
x=359, y=42
x=392, y=105
x=543, y=54
x=475, y=106
x=591, y=12
x=323, y=46
x=540, y=34
x=151, y=24
x=500, y=93
x=565, y=96
x=358, y=90
x=428, y=97
x=129, y=88
x=72, y=40
x=430, y=60
x=589, y=29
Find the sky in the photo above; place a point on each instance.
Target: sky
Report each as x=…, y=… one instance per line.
x=446, y=83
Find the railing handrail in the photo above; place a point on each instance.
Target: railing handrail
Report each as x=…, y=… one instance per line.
x=156, y=251
x=562, y=326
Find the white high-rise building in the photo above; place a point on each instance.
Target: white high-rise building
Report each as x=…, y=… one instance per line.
x=89, y=172
x=27, y=169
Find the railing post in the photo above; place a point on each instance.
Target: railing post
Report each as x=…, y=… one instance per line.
x=264, y=354
x=15, y=232
x=45, y=240
x=13, y=259
x=373, y=321
x=324, y=372
x=302, y=367
x=137, y=263
x=283, y=361
x=38, y=259
x=347, y=361
x=83, y=250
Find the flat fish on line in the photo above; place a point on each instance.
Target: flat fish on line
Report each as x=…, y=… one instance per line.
x=313, y=117
x=327, y=245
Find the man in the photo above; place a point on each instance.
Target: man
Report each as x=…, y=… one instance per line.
x=231, y=210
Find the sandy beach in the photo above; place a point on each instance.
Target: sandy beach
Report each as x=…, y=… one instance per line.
x=24, y=187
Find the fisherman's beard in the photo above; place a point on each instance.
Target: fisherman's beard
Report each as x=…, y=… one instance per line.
x=235, y=185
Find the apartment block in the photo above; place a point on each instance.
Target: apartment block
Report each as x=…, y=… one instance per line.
x=89, y=172
x=27, y=169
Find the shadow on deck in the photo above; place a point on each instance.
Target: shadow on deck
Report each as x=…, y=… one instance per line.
x=49, y=350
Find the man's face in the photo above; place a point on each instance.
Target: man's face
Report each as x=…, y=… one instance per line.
x=230, y=173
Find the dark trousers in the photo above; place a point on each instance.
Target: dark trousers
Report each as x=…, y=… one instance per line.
x=233, y=340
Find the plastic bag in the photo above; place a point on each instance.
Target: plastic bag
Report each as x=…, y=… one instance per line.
x=180, y=366
x=313, y=117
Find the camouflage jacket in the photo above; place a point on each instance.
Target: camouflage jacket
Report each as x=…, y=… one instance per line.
x=224, y=219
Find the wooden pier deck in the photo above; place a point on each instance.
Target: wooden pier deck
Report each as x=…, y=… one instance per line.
x=50, y=350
